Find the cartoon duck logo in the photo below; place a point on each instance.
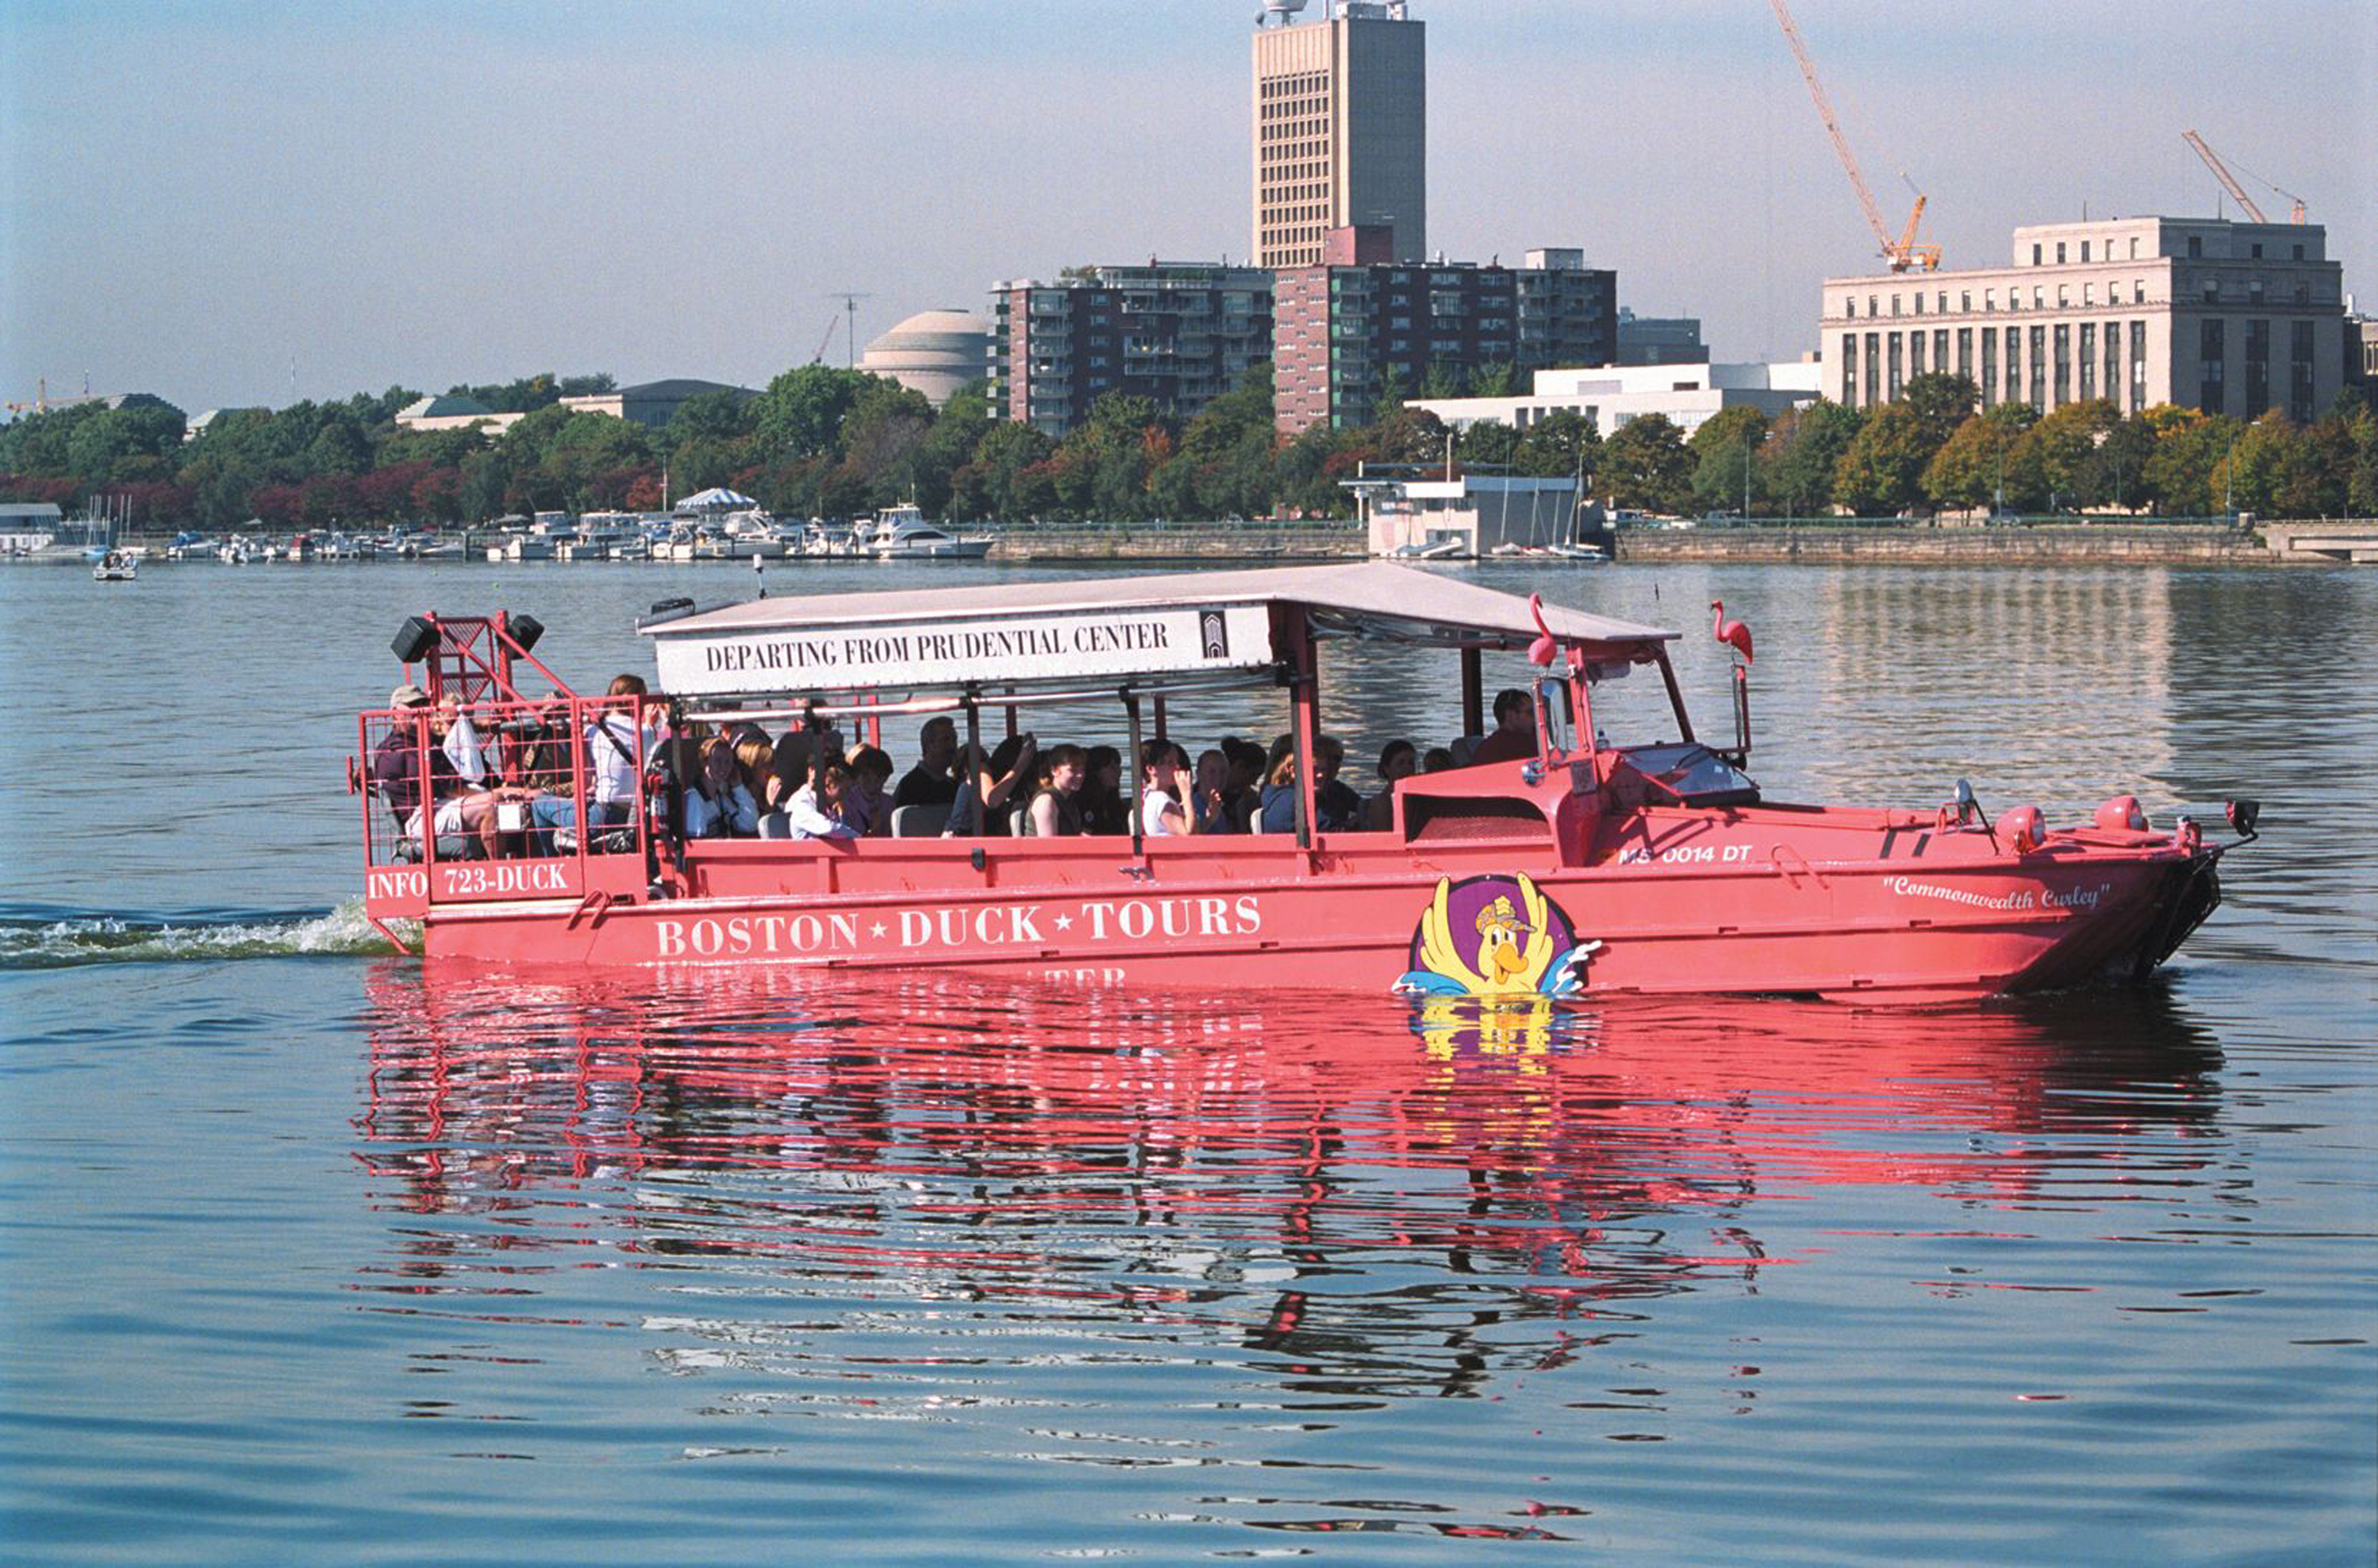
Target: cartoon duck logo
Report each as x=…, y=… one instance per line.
x=1495, y=937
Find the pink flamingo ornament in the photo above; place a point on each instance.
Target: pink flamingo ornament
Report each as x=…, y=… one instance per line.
x=1733, y=632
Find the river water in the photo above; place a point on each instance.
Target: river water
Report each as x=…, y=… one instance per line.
x=307, y=1258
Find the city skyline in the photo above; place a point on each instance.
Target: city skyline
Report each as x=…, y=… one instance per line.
x=449, y=195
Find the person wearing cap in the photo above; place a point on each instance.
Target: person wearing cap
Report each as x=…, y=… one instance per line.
x=456, y=807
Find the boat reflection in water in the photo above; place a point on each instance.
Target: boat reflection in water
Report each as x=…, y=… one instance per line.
x=1371, y=1199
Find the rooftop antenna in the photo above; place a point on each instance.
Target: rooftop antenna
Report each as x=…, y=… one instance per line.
x=850, y=310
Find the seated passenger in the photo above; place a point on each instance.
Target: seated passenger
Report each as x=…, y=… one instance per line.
x=735, y=812
x=1162, y=812
x=1207, y=802
x=396, y=764
x=866, y=805
x=1101, y=802
x=1336, y=808
x=756, y=755
x=1437, y=759
x=1055, y=808
x=614, y=745
x=1515, y=730
x=1243, y=787
x=931, y=782
x=982, y=809
x=796, y=759
x=814, y=809
x=1396, y=760
x=1278, y=812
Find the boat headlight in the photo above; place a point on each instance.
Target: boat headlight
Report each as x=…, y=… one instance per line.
x=2122, y=814
x=2023, y=828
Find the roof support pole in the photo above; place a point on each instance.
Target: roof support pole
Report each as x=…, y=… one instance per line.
x=1306, y=700
x=972, y=793
x=1473, y=694
x=1132, y=770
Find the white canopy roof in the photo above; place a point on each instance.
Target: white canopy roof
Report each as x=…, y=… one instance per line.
x=1076, y=626
x=1369, y=590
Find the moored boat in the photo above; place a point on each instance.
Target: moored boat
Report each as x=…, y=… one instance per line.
x=1572, y=866
x=116, y=565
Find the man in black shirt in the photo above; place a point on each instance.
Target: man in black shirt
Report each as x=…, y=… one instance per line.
x=931, y=782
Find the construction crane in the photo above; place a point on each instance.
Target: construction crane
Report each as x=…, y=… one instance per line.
x=1901, y=251
x=2230, y=182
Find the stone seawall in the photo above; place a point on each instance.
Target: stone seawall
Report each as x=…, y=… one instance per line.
x=2083, y=544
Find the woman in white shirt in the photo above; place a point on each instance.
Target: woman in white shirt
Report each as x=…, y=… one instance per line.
x=1161, y=815
x=815, y=810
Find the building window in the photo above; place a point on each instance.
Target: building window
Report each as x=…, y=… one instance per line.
x=1894, y=304
x=1871, y=309
x=1849, y=307
x=2212, y=291
x=2134, y=247
x=2038, y=297
x=1989, y=366
x=1989, y=299
x=2138, y=366
x=2195, y=248
x=1919, y=302
x=2035, y=255
x=2257, y=252
x=1871, y=356
x=1895, y=378
x=1965, y=302
x=2088, y=360
x=2211, y=393
x=2063, y=295
x=2063, y=364
x=2299, y=253
x=1940, y=352
x=1849, y=370
x=2138, y=291
x=2088, y=294
x=2038, y=347
x=1965, y=353
x=2114, y=363
x=2299, y=373
x=1916, y=349
x=1941, y=302
x=2059, y=253
x=2015, y=365
x=2258, y=368
x=2084, y=250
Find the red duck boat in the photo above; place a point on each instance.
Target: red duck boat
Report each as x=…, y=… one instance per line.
x=1578, y=866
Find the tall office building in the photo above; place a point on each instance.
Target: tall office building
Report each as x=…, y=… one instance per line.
x=1340, y=128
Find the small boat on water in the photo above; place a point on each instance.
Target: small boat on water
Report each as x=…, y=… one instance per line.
x=901, y=533
x=1571, y=865
x=116, y=565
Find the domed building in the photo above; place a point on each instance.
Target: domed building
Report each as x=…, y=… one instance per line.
x=933, y=352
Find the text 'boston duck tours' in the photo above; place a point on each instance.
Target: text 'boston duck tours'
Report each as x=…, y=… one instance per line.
x=620, y=829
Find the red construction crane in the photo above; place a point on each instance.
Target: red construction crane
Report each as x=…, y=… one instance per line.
x=1900, y=250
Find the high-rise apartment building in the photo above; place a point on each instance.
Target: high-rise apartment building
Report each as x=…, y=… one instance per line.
x=2225, y=317
x=1180, y=334
x=1349, y=327
x=1340, y=128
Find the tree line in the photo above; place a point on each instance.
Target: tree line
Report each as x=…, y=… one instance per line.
x=820, y=441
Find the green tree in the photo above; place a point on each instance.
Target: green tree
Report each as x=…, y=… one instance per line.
x=2061, y=448
x=1645, y=466
x=1882, y=472
x=801, y=414
x=722, y=415
x=1972, y=467
x=1487, y=441
x=1725, y=468
x=1561, y=445
x=2189, y=448
x=1940, y=402
x=1444, y=380
x=1802, y=452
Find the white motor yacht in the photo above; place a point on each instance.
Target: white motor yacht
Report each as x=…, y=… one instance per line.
x=901, y=533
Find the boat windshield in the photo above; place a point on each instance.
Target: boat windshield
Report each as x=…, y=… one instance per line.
x=1693, y=773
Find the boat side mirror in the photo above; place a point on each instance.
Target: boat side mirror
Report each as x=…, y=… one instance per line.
x=2243, y=815
x=1968, y=807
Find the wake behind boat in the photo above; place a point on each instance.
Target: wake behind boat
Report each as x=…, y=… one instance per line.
x=1569, y=866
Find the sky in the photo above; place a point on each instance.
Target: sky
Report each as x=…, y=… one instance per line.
x=234, y=202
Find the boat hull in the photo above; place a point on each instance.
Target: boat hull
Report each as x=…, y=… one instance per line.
x=1903, y=932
